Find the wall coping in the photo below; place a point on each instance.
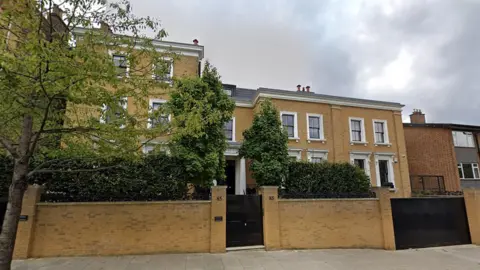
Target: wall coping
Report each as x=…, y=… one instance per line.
x=120, y=203
x=329, y=199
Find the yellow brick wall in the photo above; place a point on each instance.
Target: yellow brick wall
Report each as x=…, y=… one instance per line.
x=79, y=229
x=347, y=223
x=337, y=135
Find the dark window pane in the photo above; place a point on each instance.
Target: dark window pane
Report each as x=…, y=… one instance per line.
x=467, y=170
x=314, y=127
x=359, y=163
x=228, y=129
x=288, y=124
x=383, y=170
x=356, y=130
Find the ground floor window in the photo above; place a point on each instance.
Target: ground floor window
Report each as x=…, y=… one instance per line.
x=468, y=171
x=384, y=171
x=317, y=156
x=361, y=160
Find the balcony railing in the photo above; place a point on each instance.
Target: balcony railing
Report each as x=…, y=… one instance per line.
x=421, y=183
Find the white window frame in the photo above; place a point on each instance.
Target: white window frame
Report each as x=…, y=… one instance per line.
x=127, y=72
x=362, y=125
x=321, y=133
x=297, y=153
x=150, y=109
x=167, y=59
x=391, y=173
x=474, y=165
x=233, y=130
x=317, y=153
x=472, y=141
x=363, y=156
x=385, y=129
x=163, y=148
x=104, y=109
x=295, y=123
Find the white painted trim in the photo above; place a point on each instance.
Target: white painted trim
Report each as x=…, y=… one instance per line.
x=297, y=153
x=317, y=153
x=365, y=157
x=233, y=130
x=167, y=59
x=333, y=102
x=231, y=152
x=385, y=128
x=247, y=104
x=150, y=109
x=295, y=123
x=322, y=136
x=362, y=123
x=391, y=174
x=112, y=53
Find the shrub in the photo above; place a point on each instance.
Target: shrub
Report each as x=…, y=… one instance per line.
x=325, y=177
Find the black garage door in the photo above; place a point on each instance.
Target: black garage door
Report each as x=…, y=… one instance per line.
x=244, y=220
x=429, y=222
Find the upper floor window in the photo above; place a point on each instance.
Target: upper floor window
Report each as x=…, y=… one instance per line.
x=315, y=126
x=115, y=112
x=468, y=171
x=357, y=130
x=158, y=118
x=380, y=131
x=463, y=139
x=289, y=122
x=121, y=64
x=163, y=70
x=229, y=129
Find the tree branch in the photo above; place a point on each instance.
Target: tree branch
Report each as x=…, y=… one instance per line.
x=69, y=130
x=10, y=148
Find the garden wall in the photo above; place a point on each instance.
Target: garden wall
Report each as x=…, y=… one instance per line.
x=121, y=228
x=330, y=223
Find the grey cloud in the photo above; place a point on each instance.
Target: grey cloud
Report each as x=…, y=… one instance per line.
x=339, y=46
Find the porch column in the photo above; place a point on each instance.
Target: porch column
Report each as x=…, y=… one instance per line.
x=243, y=176
x=240, y=177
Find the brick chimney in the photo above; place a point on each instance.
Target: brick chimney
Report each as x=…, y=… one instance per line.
x=298, y=88
x=417, y=117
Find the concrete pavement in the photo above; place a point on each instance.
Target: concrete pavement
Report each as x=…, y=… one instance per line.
x=459, y=257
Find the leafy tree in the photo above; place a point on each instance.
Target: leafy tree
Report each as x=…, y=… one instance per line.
x=265, y=144
x=59, y=86
x=200, y=108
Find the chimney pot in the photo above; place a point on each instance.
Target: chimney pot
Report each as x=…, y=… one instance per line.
x=417, y=117
x=298, y=87
x=308, y=88
x=195, y=41
x=303, y=89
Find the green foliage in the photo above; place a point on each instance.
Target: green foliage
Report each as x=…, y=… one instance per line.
x=200, y=108
x=59, y=78
x=325, y=177
x=265, y=144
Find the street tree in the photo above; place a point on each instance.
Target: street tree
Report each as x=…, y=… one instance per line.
x=200, y=109
x=265, y=145
x=62, y=93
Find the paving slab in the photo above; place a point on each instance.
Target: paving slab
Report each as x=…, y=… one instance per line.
x=444, y=258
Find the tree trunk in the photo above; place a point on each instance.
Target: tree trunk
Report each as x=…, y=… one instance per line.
x=12, y=215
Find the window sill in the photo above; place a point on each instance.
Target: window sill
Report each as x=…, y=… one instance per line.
x=364, y=143
x=296, y=139
x=317, y=140
x=383, y=144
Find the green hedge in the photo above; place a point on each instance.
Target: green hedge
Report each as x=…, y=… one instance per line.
x=325, y=177
x=156, y=177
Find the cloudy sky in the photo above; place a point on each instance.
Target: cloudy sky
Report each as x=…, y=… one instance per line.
x=422, y=53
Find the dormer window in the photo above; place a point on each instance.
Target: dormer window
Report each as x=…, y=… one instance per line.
x=228, y=92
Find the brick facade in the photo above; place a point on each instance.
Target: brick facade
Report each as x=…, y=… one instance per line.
x=431, y=152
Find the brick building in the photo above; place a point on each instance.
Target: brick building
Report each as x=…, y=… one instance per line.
x=367, y=133
x=440, y=155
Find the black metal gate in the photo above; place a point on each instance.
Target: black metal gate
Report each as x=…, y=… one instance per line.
x=244, y=220
x=3, y=208
x=430, y=222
